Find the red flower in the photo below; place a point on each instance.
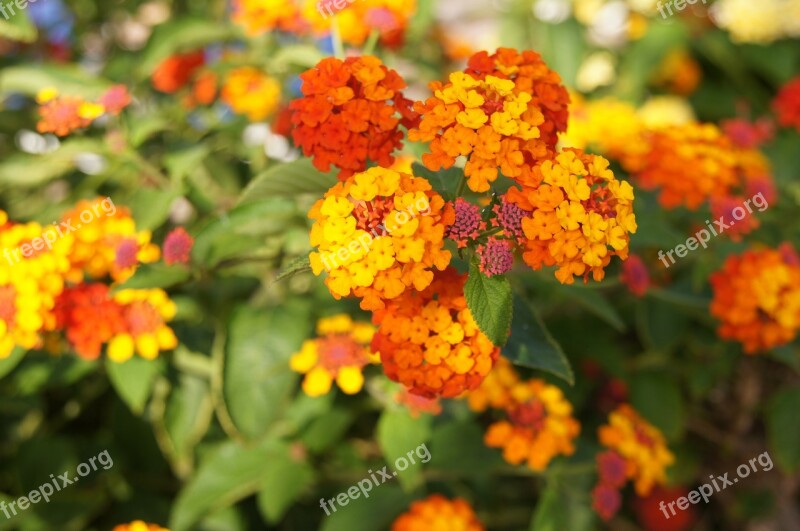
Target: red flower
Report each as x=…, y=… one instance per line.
x=787, y=104
x=176, y=71
x=177, y=247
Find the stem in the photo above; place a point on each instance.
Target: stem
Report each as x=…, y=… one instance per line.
x=461, y=185
x=372, y=41
x=336, y=37
x=218, y=357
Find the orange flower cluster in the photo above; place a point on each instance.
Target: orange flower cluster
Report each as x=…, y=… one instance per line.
x=757, y=298
x=581, y=215
x=260, y=16
x=347, y=114
x=437, y=513
x=130, y=320
x=250, y=92
x=417, y=404
x=640, y=444
x=429, y=342
x=539, y=423
x=108, y=243
x=62, y=115
x=139, y=525
x=378, y=234
x=340, y=353
x=174, y=72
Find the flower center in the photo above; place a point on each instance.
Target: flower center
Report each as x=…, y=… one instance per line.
x=529, y=415
x=370, y=214
x=336, y=352
x=8, y=307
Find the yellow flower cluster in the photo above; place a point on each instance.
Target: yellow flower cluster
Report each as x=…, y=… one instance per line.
x=379, y=233
x=339, y=354
x=641, y=445
x=581, y=215
x=251, y=92
x=761, y=22
x=31, y=278
x=145, y=312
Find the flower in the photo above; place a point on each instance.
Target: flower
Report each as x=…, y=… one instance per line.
x=758, y=23
x=496, y=257
x=437, y=513
x=378, y=234
x=145, y=313
x=492, y=114
x=356, y=20
x=340, y=353
x=640, y=444
x=581, y=215
x=61, y=115
x=468, y=224
x=32, y=273
x=174, y=72
x=139, y=525
x=89, y=317
x=417, y=404
x=347, y=114
x=635, y=275
x=177, y=247
x=508, y=216
x=612, y=469
x=757, y=298
x=429, y=342
x=260, y=16
x=115, y=99
x=748, y=135
x=606, y=500
x=250, y=92
x=107, y=244
x=787, y=104
x=496, y=389
x=678, y=72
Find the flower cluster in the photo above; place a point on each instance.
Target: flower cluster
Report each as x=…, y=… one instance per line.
x=429, y=341
x=379, y=233
x=251, y=92
x=437, y=513
x=260, y=16
x=358, y=19
x=417, y=404
x=63, y=114
x=175, y=72
x=539, y=424
x=758, y=23
x=339, y=354
x=637, y=452
x=757, y=298
x=581, y=215
x=787, y=104
x=139, y=525
x=347, y=114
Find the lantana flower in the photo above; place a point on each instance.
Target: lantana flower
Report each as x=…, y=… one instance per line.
x=438, y=513
x=251, y=92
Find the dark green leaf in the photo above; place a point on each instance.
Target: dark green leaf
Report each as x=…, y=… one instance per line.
x=564, y=505
x=24, y=170
x=657, y=396
x=134, y=379
x=383, y=504
x=783, y=430
x=8, y=363
x=327, y=430
x=282, y=484
x=157, y=275
x=489, y=300
x=444, y=181
x=596, y=303
x=291, y=178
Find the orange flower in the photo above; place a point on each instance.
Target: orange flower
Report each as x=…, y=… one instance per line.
x=138, y=525
x=62, y=115
x=175, y=71
x=145, y=313
x=260, y=16
x=347, y=114
x=417, y=404
x=489, y=116
x=89, y=318
x=757, y=298
x=640, y=444
x=378, y=234
x=250, y=92
x=496, y=390
x=339, y=354
x=581, y=217
x=437, y=513
x=679, y=73
x=356, y=20
x=429, y=342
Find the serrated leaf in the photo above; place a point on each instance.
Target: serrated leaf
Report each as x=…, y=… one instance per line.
x=398, y=433
x=489, y=300
x=783, y=430
x=133, y=380
x=289, y=179
x=531, y=344
x=149, y=276
x=301, y=264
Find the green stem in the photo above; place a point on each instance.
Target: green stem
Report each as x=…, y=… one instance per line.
x=372, y=41
x=461, y=185
x=336, y=37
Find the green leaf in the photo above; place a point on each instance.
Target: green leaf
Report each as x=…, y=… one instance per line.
x=531, y=345
x=182, y=161
x=149, y=276
x=565, y=505
x=180, y=35
x=383, y=504
x=18, y=28
x=489, y=301
x=660, y=325
x=133, y=380
x=596, y=303
x=283, y=482
x=10, y=362
x=301, y=264
x=258, y=383
x=326, y=430
x=657, y=396
x=458, y=447
x=783, y=430
x=443, y=181
x=398, y=435
x=304, y=56
x=26, y=170
x=188, y=413
x=68, y=79
x=291, y=178
x=150, y=207
x=231, y=473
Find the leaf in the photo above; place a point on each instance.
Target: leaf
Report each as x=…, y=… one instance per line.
x=26, y=170
x=188, y=412
x=182, y=161
x=489, y=300
x=596, y=303
x=258, y=383
x=283, y=482
x=10, y=362
x=150, y=207
x=231, y=473
x=657, y=396
x=70, y=80
x=304, y=56
x=444, y=181
x=660, y=325
x=458, y=447
x=133, y=380
x=381, y=506
x=149, y=276
x=301, y=264
x=531, y=345
x=326, y=430
x=18, y=28
x=181, y=35
x=399, y=434
x=564, y=505
x=783, y=430
x=291, y=178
